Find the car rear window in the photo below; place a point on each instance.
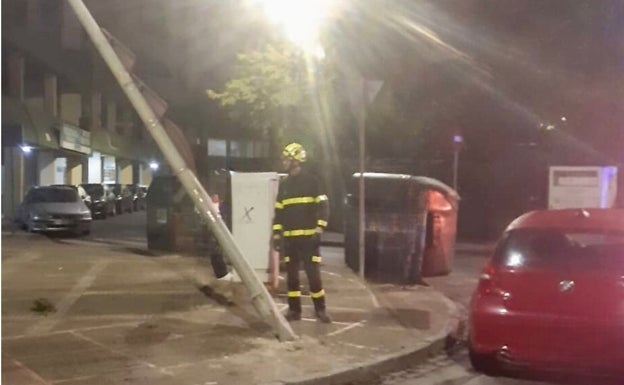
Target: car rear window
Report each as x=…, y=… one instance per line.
x=533, y=247
x=94, y=189
x=56, y=195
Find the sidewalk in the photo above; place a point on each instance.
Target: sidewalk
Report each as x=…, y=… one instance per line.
x=127, y=318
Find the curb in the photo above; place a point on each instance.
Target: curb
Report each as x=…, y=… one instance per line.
x=430, y=347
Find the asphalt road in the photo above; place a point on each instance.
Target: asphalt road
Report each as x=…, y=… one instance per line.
x=124, y=229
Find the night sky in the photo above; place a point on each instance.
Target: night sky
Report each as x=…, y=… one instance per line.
x=496, y=69
x=515, y=65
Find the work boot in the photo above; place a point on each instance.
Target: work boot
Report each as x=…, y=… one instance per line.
x=322, y=316
x=293, y=315
x=222, y=289
x=229, y=277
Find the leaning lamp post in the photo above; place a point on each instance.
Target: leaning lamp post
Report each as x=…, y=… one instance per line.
x=261, y=299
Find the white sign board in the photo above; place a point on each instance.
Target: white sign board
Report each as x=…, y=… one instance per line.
x=74, y=138
x=253, y=207
x=582, y=187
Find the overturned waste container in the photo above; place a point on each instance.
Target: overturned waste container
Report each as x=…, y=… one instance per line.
x=172, y=222
x=410, y=227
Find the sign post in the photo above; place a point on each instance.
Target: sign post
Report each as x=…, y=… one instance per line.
x=458, y=141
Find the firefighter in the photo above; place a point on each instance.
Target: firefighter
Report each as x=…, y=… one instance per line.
x=301, y=214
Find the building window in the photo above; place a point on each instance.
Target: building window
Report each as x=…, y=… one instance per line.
x=238, y=148
x=217, y=147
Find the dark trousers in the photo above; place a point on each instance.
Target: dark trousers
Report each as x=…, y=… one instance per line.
x=208, y=245
x=306, y=249
x=218, y=264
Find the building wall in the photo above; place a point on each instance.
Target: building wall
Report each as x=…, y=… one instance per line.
x=125, y=173
x=71, y=108
x=12, y=180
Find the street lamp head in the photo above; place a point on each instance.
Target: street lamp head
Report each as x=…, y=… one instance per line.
x=319, y=52
x=26, y=149
x=154, y=165
x=301, y=20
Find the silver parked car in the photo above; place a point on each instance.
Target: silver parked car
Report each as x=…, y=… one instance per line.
x=54, y=209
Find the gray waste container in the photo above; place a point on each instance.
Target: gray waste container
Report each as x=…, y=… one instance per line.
x=172, y=223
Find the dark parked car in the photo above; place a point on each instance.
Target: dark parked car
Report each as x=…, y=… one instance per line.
x=54, y=209
x=552, y=295
x=138, y=196
x=103, y=201
x=123, y=197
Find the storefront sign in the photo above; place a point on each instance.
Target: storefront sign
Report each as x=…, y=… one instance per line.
x=75, y=139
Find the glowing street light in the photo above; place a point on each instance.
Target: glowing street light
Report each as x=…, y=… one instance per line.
x=26, y=149
x=154, y=165
x=301, y=21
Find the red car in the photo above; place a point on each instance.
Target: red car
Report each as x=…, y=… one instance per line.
x=552, y=296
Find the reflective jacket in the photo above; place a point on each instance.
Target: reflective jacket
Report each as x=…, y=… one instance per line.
x=301, y=206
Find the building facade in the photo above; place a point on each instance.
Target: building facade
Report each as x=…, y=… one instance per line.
x=64, y=120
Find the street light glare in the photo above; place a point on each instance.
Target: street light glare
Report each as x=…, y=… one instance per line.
x=300, y=20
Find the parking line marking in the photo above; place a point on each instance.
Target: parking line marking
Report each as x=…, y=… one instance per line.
x=122, y=353
x=346, y=328
x=29, y=372
x=57, y=332
x=63, y=306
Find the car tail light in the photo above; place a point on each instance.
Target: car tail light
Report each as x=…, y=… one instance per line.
x=487, y=282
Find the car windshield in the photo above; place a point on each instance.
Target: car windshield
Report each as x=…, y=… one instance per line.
x=54, y=195
x=525, y=247
x=96, y=190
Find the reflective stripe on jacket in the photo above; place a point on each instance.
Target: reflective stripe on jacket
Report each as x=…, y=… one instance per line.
x=301, y=206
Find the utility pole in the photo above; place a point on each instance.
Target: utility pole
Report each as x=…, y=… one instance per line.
x=455, y=166
x=260, y=297
x=362, y=190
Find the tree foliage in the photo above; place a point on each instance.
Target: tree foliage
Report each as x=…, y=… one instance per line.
x=278, y=91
